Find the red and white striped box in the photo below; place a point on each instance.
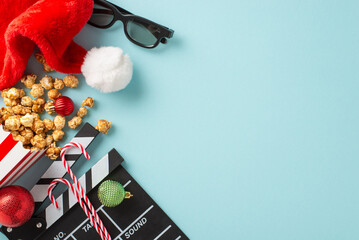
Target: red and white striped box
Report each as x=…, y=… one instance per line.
x=14, y=158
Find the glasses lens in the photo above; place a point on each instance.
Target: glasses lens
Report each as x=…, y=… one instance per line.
x=143, y=32
x=101, y=16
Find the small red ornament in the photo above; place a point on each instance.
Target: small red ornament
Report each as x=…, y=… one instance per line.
x=64, y=106
x=16, y=206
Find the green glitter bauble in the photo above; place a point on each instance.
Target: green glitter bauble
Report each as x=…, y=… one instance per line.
x=111, y=193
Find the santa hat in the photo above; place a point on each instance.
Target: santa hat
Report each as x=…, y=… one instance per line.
x=51, y=25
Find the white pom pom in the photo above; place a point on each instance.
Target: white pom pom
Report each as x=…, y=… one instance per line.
x=107, y=69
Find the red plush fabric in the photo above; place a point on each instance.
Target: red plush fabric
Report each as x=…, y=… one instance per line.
x=49, y=24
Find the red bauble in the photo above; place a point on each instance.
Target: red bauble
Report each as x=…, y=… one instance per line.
x=16, y=206
x=64, y=106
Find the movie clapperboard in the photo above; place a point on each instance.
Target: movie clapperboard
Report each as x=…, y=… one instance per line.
x=137, y=218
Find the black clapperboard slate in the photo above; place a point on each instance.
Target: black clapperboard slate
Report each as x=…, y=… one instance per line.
x=138, y=218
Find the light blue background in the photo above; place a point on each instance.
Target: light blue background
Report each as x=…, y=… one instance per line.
x=245, y=125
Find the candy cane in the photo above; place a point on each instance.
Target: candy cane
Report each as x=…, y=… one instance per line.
x=78, y=187
x=82, y=204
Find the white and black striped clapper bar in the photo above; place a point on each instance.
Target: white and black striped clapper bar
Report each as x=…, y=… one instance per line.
x=136, y=218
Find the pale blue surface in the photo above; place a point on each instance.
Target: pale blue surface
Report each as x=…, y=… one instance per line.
x=245, y=126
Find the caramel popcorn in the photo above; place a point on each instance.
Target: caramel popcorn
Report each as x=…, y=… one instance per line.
x=47, y=82
x=59, y=122
x=34, y=149
x=38, y=105
x=27, y=120
x=15, y=133
x=38, y=126
x=37, y=90
x=43, y=135
x=71, y=81
x=41, y=59
x=22, y=120
x=59, y=84
x=27, y=133
x=50, y=107
x=27, y=147
x=11, y=102
x=17, y=109
x=13, y=123
x=49, y=139
x=21, y=110
x=4, y=93
x=58, y=135
x=26, y=101
x=36, y=116
x=81, y=112
x=38, y=142
x=6, y=113
x=14, y=93
x=21, y=139
x=37, y=108
x=22, y=93
x=103, y=126
x=53, y=152
x=24, y=110
x=75, y=122
x=39, y=101
x=29, y=80
x=49, y=124
x=2, y=110
x=24, y=140
x=88, y=102
x=54, y=94
x=5, y=128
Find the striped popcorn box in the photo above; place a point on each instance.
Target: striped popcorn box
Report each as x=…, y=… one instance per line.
x=14, y=158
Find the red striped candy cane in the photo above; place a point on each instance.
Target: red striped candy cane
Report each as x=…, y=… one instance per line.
x=78, y=197
x=78, y=186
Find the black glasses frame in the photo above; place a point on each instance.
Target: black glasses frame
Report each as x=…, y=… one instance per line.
x=125, y=16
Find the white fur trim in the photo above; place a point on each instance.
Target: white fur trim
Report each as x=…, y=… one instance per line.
x=107, y=69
